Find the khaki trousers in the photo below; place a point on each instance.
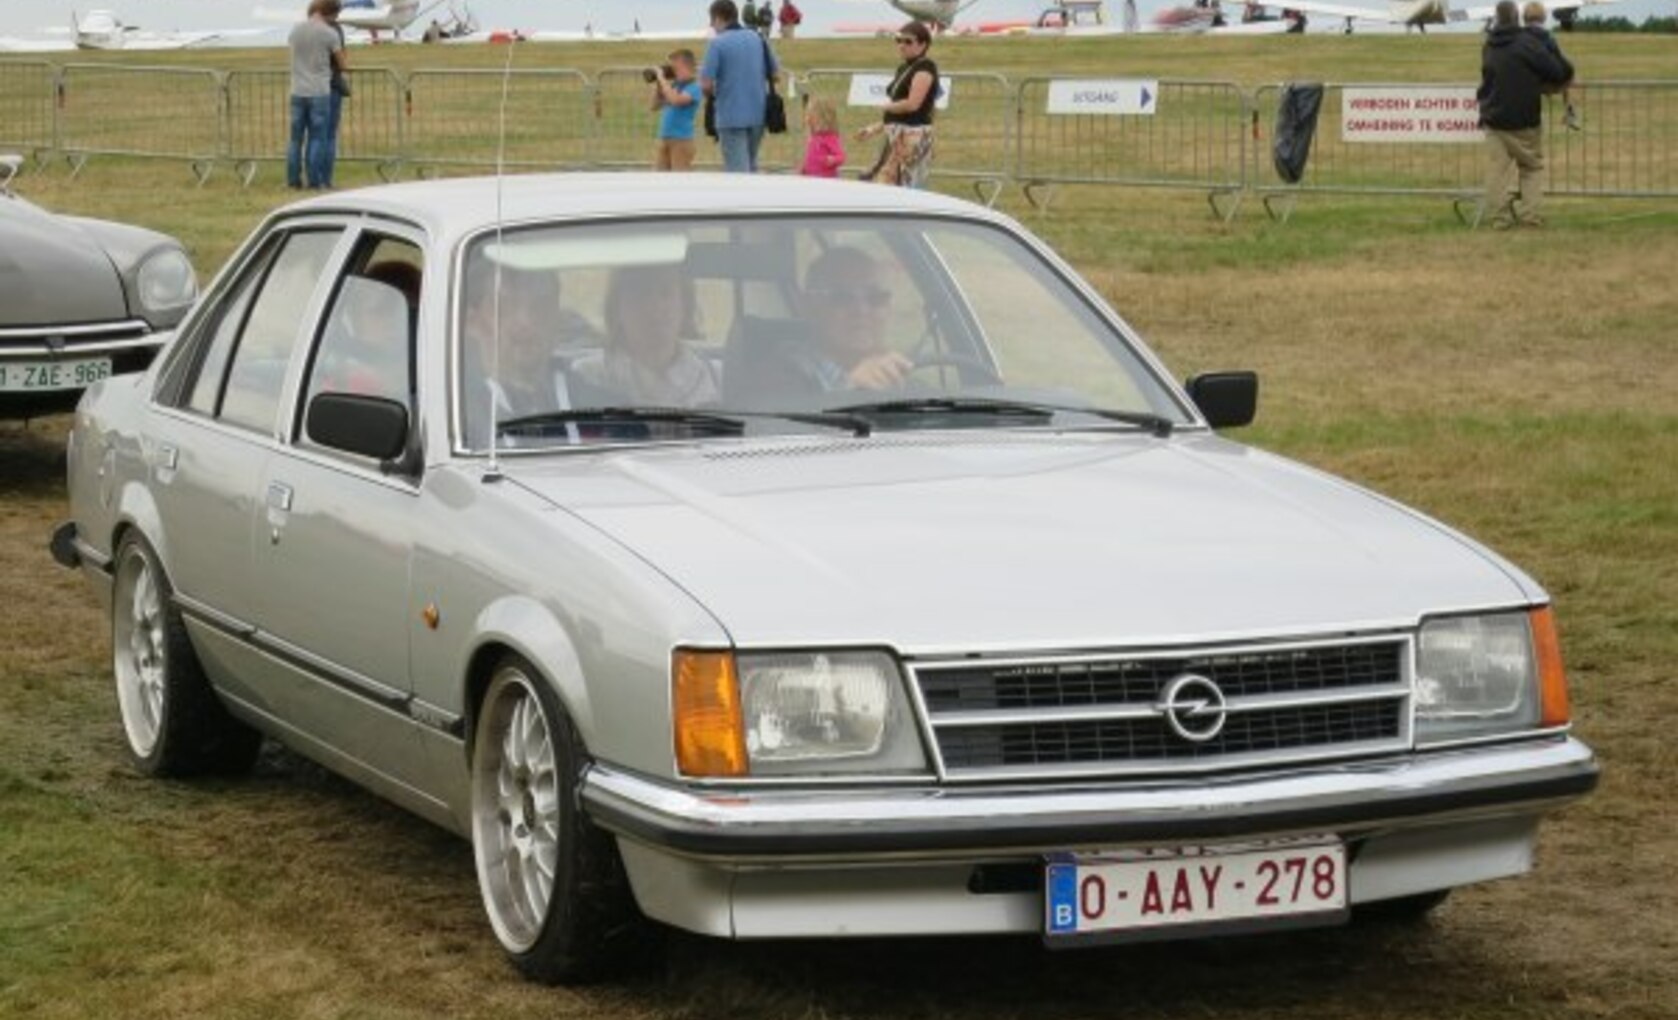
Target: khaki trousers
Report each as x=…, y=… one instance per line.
x=674, y=154
x=1514, y=176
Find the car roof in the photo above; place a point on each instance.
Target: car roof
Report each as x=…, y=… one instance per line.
x=450, y=208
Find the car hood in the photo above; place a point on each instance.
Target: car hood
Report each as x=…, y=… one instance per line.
x=52, y=271
x=934, y=542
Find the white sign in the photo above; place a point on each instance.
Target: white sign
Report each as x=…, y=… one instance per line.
x=1407, y=114
x=874, y=90
x=1111, y=97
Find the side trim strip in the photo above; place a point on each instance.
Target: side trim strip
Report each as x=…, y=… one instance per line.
x=347, y=680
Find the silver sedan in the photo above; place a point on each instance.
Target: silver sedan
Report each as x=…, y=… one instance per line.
x=767, y=558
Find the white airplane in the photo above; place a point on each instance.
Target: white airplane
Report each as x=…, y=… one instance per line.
x=103, y=30
x=1419, y=14
x=368, y=16
x=1064, y=18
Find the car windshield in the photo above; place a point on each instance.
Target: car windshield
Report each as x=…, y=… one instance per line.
x=579, y=334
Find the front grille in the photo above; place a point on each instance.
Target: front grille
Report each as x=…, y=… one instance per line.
x=69, y=340
x=1108, y=715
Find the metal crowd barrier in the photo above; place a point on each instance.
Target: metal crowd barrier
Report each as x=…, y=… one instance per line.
x=257, y=125
x=155, y=112
x=454, y=118
x=1377, y=138
x=971, y=127
x=1627, y=146
x=1371, y=138
x=27, y=121
x=1136, y=132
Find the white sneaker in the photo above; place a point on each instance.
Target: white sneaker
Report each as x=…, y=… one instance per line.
x=1571, y=118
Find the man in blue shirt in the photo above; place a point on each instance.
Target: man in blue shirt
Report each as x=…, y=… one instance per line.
x=737, y=66
x=676, y=96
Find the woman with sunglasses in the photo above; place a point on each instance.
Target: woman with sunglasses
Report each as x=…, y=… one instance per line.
x=907, y=121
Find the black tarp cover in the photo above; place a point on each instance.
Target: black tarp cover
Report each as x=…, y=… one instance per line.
x=1296, y=125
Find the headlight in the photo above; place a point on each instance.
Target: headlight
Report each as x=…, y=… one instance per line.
x=1482, y=676
x=166, y=280
x=795, y=713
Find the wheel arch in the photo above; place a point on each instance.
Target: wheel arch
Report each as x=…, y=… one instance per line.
x=137, y=511
x=522, y=626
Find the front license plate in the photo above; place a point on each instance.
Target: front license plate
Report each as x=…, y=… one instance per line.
x=1139, y=892
x=76, y=374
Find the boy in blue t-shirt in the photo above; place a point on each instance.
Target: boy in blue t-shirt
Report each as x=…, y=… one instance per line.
x=676, y=96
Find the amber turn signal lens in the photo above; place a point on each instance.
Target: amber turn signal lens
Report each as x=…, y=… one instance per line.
x=710, y=738
x=1552, y=679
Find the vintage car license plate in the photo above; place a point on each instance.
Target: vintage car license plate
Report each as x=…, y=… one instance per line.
x=1141, y=891
x=16, y=376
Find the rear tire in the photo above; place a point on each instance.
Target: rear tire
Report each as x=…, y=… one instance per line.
x=552, y=883
x=174, y=724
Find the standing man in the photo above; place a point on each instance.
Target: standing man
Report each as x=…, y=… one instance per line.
x=315, y=53
x=1515, y=67
x=738, y=64
x=340, y=90
x=791, y=18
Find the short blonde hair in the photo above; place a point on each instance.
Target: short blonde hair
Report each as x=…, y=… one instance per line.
x=823, y=115
x=1533, y=13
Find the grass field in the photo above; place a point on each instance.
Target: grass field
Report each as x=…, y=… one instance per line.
x=1523, y=387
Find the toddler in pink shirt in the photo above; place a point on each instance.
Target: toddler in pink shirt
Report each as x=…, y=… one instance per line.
x=824, y=152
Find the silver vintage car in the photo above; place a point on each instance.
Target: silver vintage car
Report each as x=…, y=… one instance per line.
x=769, y=557
x=80, y=299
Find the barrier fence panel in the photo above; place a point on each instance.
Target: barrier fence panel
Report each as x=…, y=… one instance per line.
x=258, y=120
x=972, y=126
x=27, y=88
x=1627, y=145
x=162, y=112
x=452, y=118
x=1135, y=132
x=1377, y=139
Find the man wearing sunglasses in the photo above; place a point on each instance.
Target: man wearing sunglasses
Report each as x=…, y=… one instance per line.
x=847, y=303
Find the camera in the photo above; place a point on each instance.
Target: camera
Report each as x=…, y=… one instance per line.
x=652, y=74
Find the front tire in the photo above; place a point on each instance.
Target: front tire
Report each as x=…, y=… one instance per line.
x=551, y=881
x=174, y=723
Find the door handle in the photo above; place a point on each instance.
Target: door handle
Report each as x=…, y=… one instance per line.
x=279, y=496
x=279, y=506
x=165, y=457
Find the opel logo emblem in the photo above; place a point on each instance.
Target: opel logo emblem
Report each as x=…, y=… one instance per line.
x=1194, y=707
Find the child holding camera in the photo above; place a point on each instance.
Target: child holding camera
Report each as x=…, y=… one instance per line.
x=676, y=97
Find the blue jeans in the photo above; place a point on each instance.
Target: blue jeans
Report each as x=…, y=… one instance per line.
x=309, y=115
x=739, y=148
x=334, y=115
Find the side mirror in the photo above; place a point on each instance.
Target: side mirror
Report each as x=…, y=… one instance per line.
x=1226, y=400
x=366, y=426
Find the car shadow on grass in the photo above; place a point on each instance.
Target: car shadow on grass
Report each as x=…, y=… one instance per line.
x=32, y=458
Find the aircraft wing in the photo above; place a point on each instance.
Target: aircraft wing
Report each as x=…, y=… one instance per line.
x=1485, y=13
x=11, y=45
x=1335, y=10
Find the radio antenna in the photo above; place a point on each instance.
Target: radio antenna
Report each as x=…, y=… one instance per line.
x=496, y=393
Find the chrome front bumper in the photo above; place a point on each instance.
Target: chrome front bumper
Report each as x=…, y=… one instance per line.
x=777, y=824
x=764, y=863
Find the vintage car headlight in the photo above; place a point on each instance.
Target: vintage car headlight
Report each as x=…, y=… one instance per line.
x=793, y=714
x=1479, y=676
x=166, y=280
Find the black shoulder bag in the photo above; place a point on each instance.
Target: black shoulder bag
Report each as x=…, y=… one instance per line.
x=774, y=107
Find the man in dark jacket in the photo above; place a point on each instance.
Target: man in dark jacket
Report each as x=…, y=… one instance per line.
x=1515, y=67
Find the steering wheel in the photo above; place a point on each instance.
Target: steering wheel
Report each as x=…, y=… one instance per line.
x=961, y=363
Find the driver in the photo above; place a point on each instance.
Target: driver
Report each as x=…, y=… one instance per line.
x=847, y=302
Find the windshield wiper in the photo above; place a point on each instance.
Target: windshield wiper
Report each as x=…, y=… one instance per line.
x=1159, y=425
x=718, y=422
